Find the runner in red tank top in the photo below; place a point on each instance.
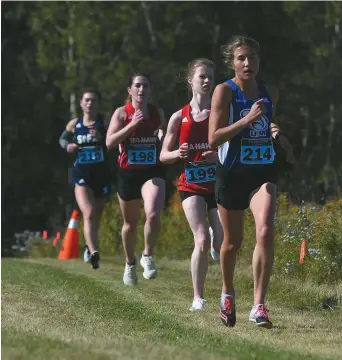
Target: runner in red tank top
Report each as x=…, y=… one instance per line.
x=142, y=137
x=137, y=128
x=196, y=182
x=195, y=134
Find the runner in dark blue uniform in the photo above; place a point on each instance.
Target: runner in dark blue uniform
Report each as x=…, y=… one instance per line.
x=85, y=136
x=240, y=125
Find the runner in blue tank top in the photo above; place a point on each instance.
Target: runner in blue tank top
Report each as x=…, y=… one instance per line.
x=240, y=125
x=90, y=173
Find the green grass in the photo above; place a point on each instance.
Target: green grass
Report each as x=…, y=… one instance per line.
x=64, y=310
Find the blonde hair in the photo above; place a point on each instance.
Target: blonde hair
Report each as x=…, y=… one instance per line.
x=193, y=65
x=227, y=50
x=196, y=63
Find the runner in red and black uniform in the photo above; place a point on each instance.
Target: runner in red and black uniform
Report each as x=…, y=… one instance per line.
x=137, y=128
x=196, y=182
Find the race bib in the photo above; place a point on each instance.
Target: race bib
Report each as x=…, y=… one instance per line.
x=199, y=172
x=90, y=155
x=142, y=154
x=257, y=151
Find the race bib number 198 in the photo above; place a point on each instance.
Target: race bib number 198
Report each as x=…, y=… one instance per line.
x=142, y=154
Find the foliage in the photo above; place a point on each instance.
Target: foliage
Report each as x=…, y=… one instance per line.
x=50, y=50
x=321, y=227
x=322, y=230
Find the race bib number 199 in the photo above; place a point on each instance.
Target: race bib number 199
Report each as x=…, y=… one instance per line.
x=199, y=172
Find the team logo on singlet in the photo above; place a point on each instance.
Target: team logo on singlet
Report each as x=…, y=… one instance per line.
x=199, y=146
x=82, y=139
x=257, y=128
x=184, y=120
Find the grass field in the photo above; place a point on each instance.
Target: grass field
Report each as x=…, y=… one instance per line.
x=64, y=310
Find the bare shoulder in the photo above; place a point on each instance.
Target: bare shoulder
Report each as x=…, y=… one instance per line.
x=175, y=122
x=176, y=117
x=119, y=115
x=223, y=92
x=120, y=112
x=71, y=125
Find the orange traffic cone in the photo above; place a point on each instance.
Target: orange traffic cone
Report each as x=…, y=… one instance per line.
x=69, y=249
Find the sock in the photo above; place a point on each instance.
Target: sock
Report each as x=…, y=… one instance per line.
x=223, y=298
x=255, y=306
x=133, y=263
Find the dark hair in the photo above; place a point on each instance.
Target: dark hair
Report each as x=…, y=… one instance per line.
x=227, y=50
x=92, y=90
x=131, y=79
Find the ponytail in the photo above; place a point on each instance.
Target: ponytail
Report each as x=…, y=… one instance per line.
x=128, y=99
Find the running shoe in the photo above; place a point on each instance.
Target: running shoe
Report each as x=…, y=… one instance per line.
x=150, y=270
x=130, y=274
x=94, y=260
x=227, y=312
x=259, y=316
x=86, y=255
x=198, y=304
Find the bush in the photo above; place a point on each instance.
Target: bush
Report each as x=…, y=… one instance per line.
x=174, y=241
x=322, y=230
x=321, y=227
x=38, y=248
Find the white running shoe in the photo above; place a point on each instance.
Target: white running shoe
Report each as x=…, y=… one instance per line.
x=259, y=316
x=86, y=254
x=214, y=254
x=150, y=270
x=130, y=274
x=198, y=304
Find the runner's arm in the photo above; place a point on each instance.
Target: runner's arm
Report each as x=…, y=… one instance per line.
x=117, y=131
x=219, y=132
x=163, y=125
x=168, y=156
x=66, y=136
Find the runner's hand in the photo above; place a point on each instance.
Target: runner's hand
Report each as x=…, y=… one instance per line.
x=210, y=156
x=183, y=151
x=72, y=148
x=257, y=110
x=138, y=117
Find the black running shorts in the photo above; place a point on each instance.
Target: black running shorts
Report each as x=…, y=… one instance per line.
x=130, y=182
x=234, y=186
x=98, y=180
x=209, y=198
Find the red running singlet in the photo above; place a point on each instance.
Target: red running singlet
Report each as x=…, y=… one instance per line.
x=196, y=170
x=142, y=148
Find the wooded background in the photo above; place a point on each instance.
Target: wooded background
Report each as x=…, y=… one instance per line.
x=50, y=50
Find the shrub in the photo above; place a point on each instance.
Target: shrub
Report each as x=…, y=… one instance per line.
x=322, y=230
